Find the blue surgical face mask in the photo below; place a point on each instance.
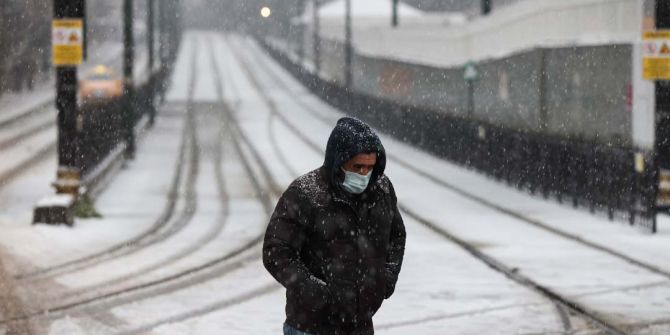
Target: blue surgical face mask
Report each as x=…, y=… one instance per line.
x=354, y=182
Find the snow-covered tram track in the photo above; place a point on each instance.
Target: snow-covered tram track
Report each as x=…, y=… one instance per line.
x=29, y=131
x=28, y=137
x=165, y=227
x=564, y=315
x=283, y=159
x=26, y=141
x=649, y=286
x=664, y=272
x=563, y=302
x=180, y=222
x=481, y=200
x=124, y=246
x=214, y=231
x=35, y=156
x=602, y=320
x=159, y=231
x=187, y=148
x=16, y=120
x=239, y=258
x=469, y=195
x=242, y=145
x=247, y=254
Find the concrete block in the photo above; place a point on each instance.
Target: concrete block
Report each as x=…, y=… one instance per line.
x=57, y=209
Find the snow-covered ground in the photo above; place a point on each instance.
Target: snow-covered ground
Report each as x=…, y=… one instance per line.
x=196, y=200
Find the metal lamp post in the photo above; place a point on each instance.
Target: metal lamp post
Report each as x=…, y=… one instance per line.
x=316, y=38
x=150, y=32
x=128, y=81
x=68, y=53
x=151, y=46
x=67, y=13
x=394, y=16
x=486, y=7
x=348, y=51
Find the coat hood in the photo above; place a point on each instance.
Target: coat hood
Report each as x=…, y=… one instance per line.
x=349, y=138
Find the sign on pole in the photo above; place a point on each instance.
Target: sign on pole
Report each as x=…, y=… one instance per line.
x=656, y=55
x=68, y=42
x=470, y=73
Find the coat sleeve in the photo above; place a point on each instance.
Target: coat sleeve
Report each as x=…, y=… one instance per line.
x=284, y=238
x=396, y=246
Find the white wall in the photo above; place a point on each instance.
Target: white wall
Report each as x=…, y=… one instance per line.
x=518, y=27
x=508, y=30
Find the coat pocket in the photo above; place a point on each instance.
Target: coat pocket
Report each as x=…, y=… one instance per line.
x=373, y=292
x=312, y=297
x=343, y=303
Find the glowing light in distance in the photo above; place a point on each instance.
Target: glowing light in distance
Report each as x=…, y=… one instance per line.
x=266, y=12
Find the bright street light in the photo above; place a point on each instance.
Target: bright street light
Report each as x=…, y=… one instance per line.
x=266, y=12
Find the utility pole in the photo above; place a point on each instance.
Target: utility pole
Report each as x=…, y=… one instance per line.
x=348, y=52
x=162, y=34
x=150, y=41
x=394, y=18
x=486, y=7
x=128, y=81
x=662, y=113
x=68, y=44
x=3, y=42
x=69, y=14
x=470, y=75
x=301, y=46
x=316, y=38
x=150, y=32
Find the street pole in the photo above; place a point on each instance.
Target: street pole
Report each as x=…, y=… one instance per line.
x=663, y=87
x=486, y=7
x=662, y=113
x=348, y=54
x=67, y=51
x=394, y=18
x=316, y=38
x=301, y=46
x=471, y=99
x=150, y=42
x=66, y=104
x=150, y=33
x=128, y=82
x=174, y=28
x=162, y=35
x=3, y=41
x=470, y=75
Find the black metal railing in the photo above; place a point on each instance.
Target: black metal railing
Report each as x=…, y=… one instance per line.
x=600, y=177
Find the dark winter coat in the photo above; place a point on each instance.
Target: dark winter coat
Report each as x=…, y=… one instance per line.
x=337, y=254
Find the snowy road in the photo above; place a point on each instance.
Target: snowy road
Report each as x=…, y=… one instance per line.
x=178, y=249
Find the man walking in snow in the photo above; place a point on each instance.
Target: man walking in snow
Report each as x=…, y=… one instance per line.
x=336, y=239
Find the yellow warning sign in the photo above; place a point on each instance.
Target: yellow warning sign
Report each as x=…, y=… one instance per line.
x=664, y=49
x=68, y=42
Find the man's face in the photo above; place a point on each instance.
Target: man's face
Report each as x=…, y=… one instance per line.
x=361, y=163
